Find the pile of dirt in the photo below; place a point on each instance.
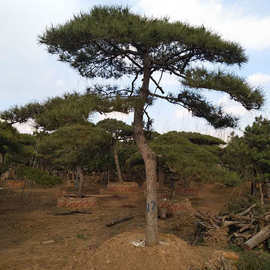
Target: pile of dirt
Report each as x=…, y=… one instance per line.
x=121, y=253
x=127, y=251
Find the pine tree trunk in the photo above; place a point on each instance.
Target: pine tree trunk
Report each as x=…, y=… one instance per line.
x=108, y=176
x=150, y=161
x=253, y=189
x=149, y=157
x=81, y=180
x=116, y=160
x=4, y=158
x=261, y=195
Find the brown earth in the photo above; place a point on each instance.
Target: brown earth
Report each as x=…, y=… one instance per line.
x=127, y=251
x=123, y=187
x=120, y=252
x=32, y=237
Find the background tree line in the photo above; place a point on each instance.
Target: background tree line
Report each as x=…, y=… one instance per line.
x=74, y=147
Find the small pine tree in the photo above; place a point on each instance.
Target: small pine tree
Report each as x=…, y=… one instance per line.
x=77, y=147
x=120, y=132
x=249, y=155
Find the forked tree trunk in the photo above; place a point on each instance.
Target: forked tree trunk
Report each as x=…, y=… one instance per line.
x=81, y=180
x=117, y=164
x=150, y=161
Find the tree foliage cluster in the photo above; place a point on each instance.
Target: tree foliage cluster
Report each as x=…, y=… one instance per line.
x=15, y=147
x=56, y=112
x=112, y=42
x=38, y=176
x=249, y=154
x=8, y=140
x=190, y=157
x=71, y=146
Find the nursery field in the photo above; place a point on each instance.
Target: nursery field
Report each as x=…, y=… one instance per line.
x=34, y=234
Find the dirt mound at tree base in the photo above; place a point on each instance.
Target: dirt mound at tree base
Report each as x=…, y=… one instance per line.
x=120, y=253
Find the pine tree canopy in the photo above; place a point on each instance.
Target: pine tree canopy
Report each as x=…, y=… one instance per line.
x=70, y=109
x=22, y=114
x=112, y=42
x=118, y=129
x=191, y=156
x=9, y=139
x=250, y=154
x=201, y=139
x=56, y=112
x=75, y=145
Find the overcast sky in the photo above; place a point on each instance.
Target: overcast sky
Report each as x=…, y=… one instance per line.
x=29, y=73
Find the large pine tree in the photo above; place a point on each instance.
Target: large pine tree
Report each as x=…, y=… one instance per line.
x=113, y=42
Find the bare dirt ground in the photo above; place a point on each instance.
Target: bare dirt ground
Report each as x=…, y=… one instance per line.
x=32, y=237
